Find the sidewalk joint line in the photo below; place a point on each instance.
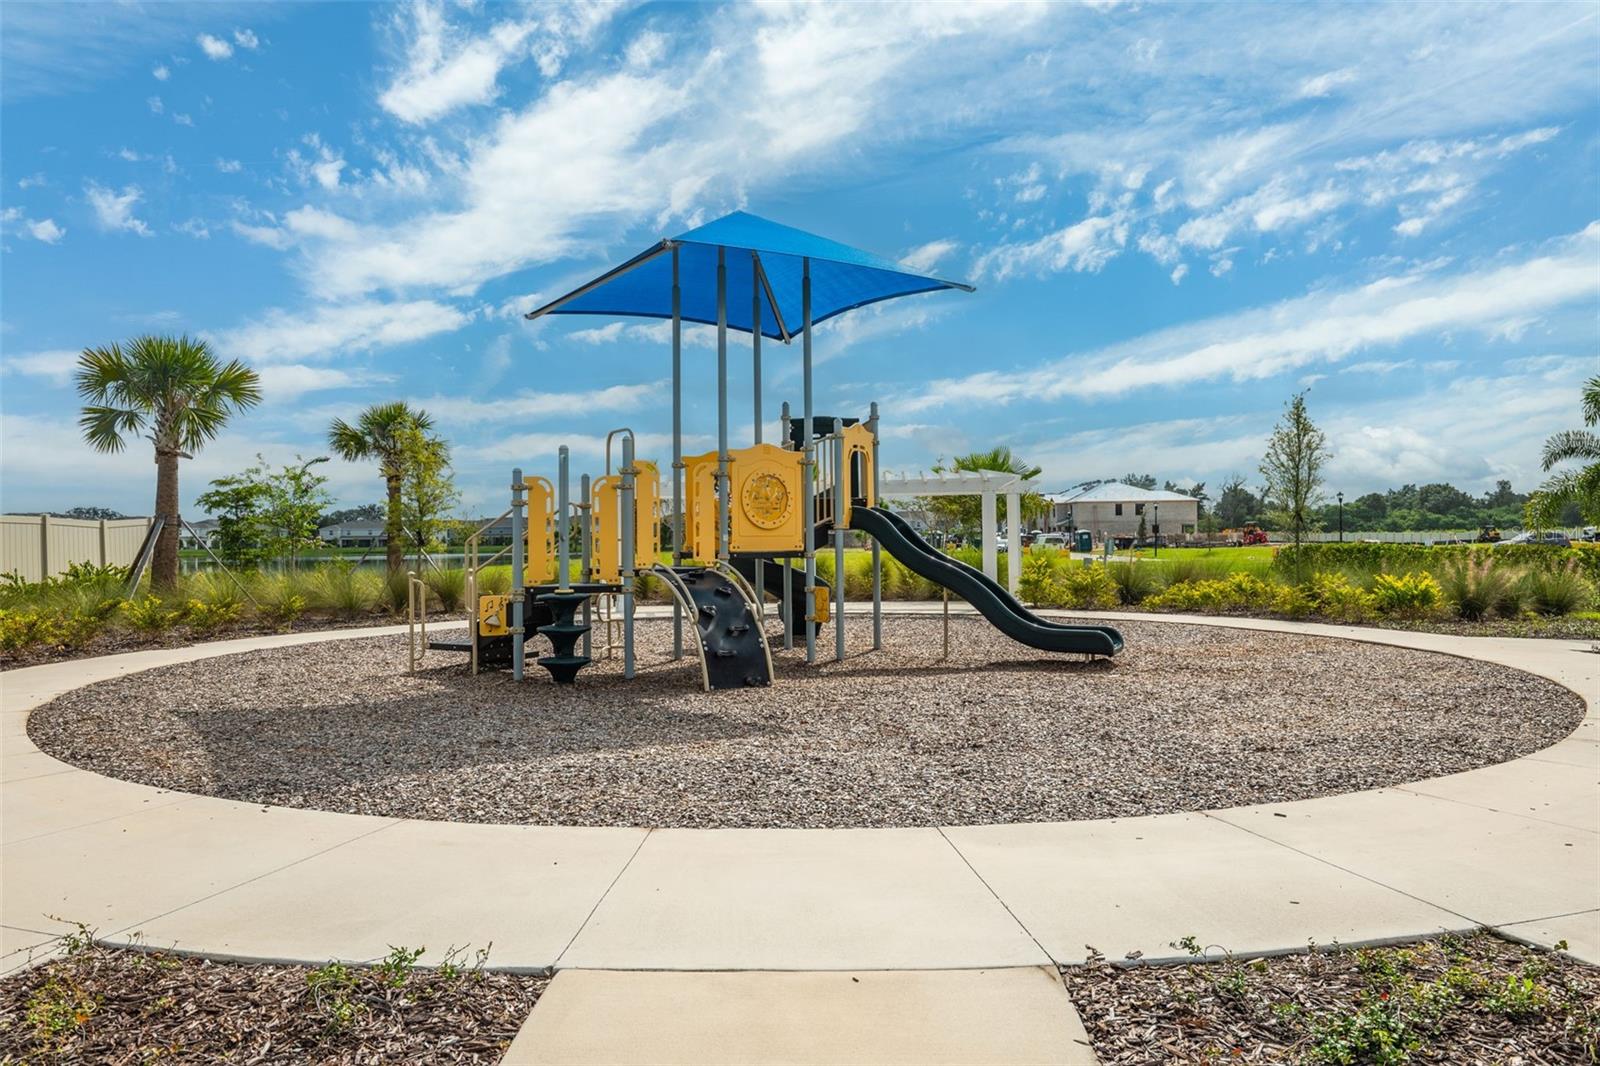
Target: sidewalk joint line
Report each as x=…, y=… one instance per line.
x=587, y=918
x=178, y=797
x=252, y=880
x=1346, y=869
x=1003, y=904
x=1411, y=790
x=1548, y=917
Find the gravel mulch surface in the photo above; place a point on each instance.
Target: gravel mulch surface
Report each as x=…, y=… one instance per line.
x=1463, y=1000
x=107, y=1005
x=1187, y=718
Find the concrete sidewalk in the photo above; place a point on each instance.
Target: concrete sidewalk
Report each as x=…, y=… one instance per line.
x=1516, y=846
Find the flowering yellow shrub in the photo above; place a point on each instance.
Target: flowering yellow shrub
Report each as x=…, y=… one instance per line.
x=1411, y=594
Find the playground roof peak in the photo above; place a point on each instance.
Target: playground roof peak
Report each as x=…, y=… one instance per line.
x=764, y=262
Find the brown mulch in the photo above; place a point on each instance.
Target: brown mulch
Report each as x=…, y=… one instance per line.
x=1450, y=999
x=117, y=639
x=1186, y=718
x=117, y=1005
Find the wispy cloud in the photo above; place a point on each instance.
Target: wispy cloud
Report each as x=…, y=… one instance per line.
x=45, y=230
x=54, y=366
x=114, y=210
x=215, y=48
x=1322, y=327
x=327, y=331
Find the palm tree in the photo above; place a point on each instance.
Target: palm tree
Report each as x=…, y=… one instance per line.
x=173, y=391
x=1580, y=486
x=381, y=433
x=963, y=511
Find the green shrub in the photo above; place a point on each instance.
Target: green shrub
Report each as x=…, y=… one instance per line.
x=1399, y=558
x=394, y=591
x=149, y=614
x=1087, y=588
x=282, y=611
x=22, y=628
x=1558, y=591
x=1134, y=581
x=494, y=581
x=1334, y=595
x=1038, y=577
x=449, y=587
x=206, y=618
x=214, y=589
x=1188, y=569
x=346, y=590
x=1475, y=587
x=1409, y=594
x=1235, y=592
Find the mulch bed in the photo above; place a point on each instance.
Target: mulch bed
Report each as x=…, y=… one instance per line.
x=117, y=639
x=110, y=1005
x=1451, y=999
x=1187, y=718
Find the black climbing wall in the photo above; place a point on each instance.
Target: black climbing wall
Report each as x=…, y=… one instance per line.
x=735, y=647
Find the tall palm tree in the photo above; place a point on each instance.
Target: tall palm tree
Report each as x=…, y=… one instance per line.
x=381, y=433
x=964, y=510
x=1580, y=486
x=172, y=391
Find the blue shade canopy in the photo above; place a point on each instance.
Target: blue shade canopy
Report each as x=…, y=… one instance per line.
x=758, y=253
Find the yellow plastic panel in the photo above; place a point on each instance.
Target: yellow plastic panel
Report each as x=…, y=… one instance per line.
x=647, y=514
x=494, y=616
x=605, y=522
x=821, y=605
x=858, y=441
x=700, y=505
x=765, y=489
x=540, y=564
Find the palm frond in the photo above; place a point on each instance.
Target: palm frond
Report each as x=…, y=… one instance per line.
x=106, y=428
x=1571, y=444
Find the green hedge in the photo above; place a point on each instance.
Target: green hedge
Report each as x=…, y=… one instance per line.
x=1398, y=558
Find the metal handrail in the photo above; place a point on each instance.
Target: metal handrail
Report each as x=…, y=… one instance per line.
x=680, y=594
x=417, y=594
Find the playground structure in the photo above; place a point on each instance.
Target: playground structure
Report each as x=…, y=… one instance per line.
x=741, y=519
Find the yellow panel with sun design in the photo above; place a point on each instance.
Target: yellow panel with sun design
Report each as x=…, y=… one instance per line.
x=765, y=490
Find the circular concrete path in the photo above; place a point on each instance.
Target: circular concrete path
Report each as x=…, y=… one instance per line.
x=1514, y=846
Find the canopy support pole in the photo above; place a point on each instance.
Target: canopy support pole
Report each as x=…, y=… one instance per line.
x=755, y=373
x=787, y=561
x=722, y=404
x=877, y=558
x=807, y=489
x=677, y=448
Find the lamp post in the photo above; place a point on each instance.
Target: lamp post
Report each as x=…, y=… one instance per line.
x=1340, y=497
x=1156, y=528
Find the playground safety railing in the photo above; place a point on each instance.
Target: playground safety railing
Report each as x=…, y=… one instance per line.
x=417, y=616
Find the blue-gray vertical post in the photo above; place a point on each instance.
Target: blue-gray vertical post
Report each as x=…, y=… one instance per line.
x=626, y=502
x=517, y=530
x=585, y=536
x=877, y=558
x=788, y=570
x=563, y=545
x=755, y=374
x=722, y=403
x=807, y=491
x=677, y=449
x=840, y=489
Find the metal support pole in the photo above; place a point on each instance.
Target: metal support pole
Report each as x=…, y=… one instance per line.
x=877, y=556
x=628, y=552
x=564, y=544
x=677, y=449
x=807, y=492
x=755, y=374
x=839, y=489
x=788, y=577
x=517, y=556
x=722, y=404
x=585, y=565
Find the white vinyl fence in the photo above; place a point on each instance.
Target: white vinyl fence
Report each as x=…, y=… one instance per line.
x=38, y=546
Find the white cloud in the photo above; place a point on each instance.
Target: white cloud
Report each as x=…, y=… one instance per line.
x=322, y=168
x=155, y=104
x=54, y=366
x=1083, y=247
x=44, y=230
x=246, y=39
x=532, y=404
x=925, y=257
x=31, y=181
x=214, y=47
x=229, y=166
x=286, y=382
x=160, y=72
x=182, y=119
x=326, y=331
x=1323, y=84
x=271, y=236
x=1325, y=326
x=114, y=211
x=1179, y=272
x=194, y=227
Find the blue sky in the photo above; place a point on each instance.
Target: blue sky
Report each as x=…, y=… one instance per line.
x=1175, y=216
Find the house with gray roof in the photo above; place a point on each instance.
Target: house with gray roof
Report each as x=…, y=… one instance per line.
x=1115, y=509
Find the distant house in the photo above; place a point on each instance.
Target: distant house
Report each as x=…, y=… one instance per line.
x=354, y=535
x=1115, y=509
x=201, y=534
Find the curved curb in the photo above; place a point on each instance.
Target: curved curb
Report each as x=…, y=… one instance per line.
x=1514, y=845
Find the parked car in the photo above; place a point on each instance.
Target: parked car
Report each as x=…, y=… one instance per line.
x=1551, y=537
x=1057, y=541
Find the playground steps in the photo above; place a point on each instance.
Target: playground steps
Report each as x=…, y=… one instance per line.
x=563, y=632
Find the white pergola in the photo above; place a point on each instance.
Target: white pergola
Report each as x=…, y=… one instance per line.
x=986, y=484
